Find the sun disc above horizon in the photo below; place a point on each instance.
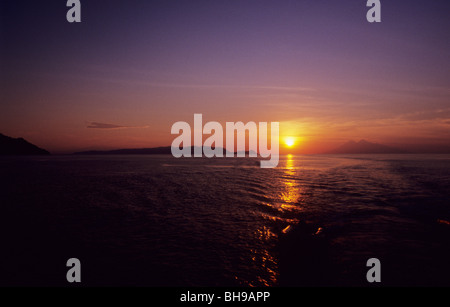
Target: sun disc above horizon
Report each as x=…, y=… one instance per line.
x=289, y=141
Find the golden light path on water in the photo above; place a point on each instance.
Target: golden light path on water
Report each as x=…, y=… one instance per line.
x=285, y=200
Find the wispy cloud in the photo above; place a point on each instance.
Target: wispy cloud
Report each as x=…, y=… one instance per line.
x=146, y=78
x=428, y=115
x=96, y=125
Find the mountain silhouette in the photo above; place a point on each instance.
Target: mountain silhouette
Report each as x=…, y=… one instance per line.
x=136, y=151
x=19, y=146
x=364, y=147
x=150, y=151
x=131, y=151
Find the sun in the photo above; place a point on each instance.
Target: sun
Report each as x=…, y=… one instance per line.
x=289, y=141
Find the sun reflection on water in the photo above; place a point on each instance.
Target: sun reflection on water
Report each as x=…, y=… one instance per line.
x=285, y=197
x=290, y=190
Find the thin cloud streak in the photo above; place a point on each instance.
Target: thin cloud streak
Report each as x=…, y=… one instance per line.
x=96, y=125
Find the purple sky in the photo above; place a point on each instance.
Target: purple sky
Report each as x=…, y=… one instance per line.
x=130, y=69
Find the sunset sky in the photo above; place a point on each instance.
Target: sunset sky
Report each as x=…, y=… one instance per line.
x=130, y=69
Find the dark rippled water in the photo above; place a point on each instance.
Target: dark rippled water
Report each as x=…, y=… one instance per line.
x=161, y=221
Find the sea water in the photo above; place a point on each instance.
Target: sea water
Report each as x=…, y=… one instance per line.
x=154, y=220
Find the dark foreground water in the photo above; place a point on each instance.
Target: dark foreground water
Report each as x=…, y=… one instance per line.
x=161, y=221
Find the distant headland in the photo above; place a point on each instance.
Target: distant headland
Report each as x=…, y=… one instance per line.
x=19, y=147
x=351, y=147
x=141, y=151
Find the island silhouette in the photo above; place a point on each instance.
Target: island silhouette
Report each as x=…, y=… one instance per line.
x=166, y=150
